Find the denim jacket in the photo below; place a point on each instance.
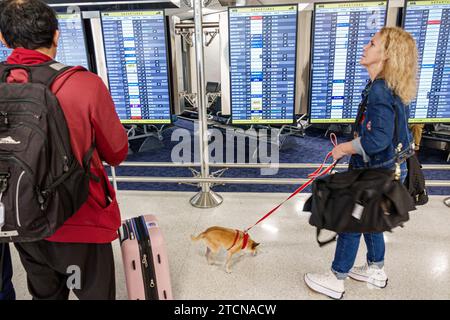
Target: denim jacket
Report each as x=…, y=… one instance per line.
x=375, y=140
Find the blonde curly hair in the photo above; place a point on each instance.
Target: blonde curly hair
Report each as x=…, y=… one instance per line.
x=400, y=67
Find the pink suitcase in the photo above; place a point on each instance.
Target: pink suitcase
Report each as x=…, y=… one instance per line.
x=145, y=259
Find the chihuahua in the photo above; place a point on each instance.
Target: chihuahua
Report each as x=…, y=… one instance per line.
x=231, y=240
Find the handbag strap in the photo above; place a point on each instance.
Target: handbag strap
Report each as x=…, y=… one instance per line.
x=362, y=109
x=362, y=106
x=324, y=243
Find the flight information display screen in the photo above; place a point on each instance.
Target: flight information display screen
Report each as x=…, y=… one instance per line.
x=340, y=31
x=137, y=65
x=71, y=49
x=429, y=24
x=262, y=46
x=4, y=52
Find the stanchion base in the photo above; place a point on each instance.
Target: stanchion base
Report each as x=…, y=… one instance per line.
x=206, y=200
x=447, y=201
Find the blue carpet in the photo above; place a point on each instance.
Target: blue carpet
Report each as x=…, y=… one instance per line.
x=310, y=149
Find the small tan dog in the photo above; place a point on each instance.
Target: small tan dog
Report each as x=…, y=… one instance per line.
x=231, y=240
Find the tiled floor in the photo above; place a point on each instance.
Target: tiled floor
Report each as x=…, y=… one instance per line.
x=417, y=256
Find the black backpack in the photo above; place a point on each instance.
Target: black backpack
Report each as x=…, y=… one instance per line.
x=415, y=181
x=41, y=182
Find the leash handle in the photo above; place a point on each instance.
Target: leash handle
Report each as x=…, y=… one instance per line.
x=317, y=173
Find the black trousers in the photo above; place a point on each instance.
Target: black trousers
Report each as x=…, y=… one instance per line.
x=54, y=268
x=6, y=273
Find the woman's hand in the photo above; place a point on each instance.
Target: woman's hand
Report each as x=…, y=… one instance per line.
x=342, y=149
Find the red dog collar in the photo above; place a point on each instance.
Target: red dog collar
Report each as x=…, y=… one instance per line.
x=245, y=241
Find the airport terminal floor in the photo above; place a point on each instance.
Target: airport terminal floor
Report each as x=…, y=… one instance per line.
x=417, y=256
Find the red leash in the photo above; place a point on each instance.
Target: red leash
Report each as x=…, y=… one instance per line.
x=312, y=176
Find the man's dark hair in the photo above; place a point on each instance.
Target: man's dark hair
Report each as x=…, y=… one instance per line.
x=30, y=24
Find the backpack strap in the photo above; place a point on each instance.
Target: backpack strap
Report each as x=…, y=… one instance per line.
x=87, y=163
x=47, y=73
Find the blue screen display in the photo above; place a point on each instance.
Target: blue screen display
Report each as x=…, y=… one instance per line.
x=429, y=24
x=137, y=66
x=340, y=32
x=263, y=53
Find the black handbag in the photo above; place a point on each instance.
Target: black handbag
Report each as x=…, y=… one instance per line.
x=360, y=200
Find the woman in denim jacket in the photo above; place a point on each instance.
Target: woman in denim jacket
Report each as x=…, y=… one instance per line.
x=391, y=61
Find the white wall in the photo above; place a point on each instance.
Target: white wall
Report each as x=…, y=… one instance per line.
x=212, y=53
x=211, y=56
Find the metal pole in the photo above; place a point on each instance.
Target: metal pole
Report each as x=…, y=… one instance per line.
x=255, y=165
x=114, y=179
x=178, y=180
x=201, y=101
x=206, y=198
x=185, y=25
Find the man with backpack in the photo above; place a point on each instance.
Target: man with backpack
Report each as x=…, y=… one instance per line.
x=65, y=243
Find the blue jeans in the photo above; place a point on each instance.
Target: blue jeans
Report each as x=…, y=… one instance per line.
x=7, y=292
x=347, y=248
x=348, y=244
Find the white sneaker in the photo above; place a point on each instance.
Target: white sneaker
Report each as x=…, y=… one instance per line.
x=370, y=274
x=326, y=284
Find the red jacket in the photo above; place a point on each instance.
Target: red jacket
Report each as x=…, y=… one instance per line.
x=90, y=114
